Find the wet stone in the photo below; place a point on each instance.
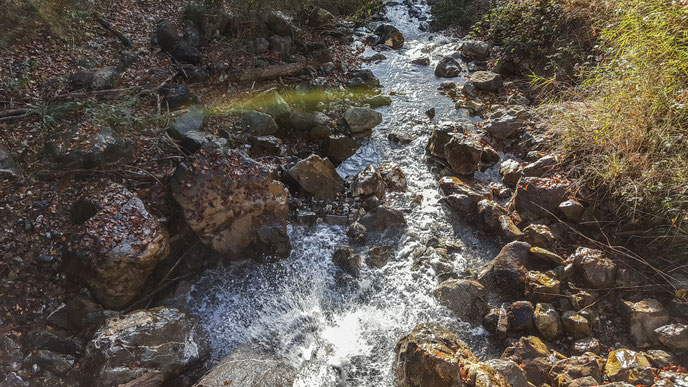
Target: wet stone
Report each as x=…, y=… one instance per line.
x=346, y=259
x=447, y=67
x=317, y=177
x=538, y=235
x=520, y=316
x=357, y=232
x=466, y=298
x=379, y=256
x=362, y=119
x=624, y=365
x=674, y=336
x=588, y=344
x=575, y=325
x=540, y=287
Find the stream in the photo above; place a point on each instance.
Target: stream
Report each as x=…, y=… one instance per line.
x=343, y=333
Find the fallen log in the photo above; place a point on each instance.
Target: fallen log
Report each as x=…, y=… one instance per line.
x=270, y=72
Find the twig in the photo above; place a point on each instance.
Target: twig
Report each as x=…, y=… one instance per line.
x=122, y=38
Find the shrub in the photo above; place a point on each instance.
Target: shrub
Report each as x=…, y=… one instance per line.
x=627, y=139
x=554, y=35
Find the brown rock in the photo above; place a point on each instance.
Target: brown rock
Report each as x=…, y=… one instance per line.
x=318, y=177
x=466, y=298
x=232, y=203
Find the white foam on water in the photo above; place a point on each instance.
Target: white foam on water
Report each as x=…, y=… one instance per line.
x=343, y=332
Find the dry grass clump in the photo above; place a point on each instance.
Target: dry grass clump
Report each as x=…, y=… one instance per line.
x=627, y=139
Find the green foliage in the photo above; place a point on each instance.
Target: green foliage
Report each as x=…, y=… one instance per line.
x=629, y=136
x=545, y=32
x=461, y=13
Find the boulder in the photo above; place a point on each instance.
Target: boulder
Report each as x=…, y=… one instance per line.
x=320, y=17
x=466, y=298
x=597, y=272
x=540, y=287
x=674, y=336
x=167, y=35
x=105, y=78
x=259, y=124
x=494, y=218
x=379, y=256
x=249, y=366
x=383, y=218
x=232, y=203
x=186, y=53
x=476, y=49
x=368, y=182
x=305, y=122
x=8, y=167
x=357, y=232
x=393, y=177
x=265, y=145
x=463, y=154
x=535, y=358
x=540, y=167
x=510, y=370
x=187, y=129
x=483, y=375
x=565, y=371
x=496, y=321
x=317, y=177
x=117, y=244
x=346, y=259
x=502, y=126
x=538, y=235
x=487, y=80
x=86, y=145
x=547, y=321
x=431, y=356
x=536, y=197
x=624, y=365
x=362, y=79
x=447, y=67
x=572, y=210
x=511, y=266
x=275, y=106
x=575, y=325
x=174, y=96
x=362, y=119
x=390, y=36
x=339, y=148
x=164, y=339
x=280, y=24
x=520, y=316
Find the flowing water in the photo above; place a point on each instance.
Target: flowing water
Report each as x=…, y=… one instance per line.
x=339, y=332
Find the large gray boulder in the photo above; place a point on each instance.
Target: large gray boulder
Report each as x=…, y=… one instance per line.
x=232, y=203
x=163, y=339
x=249, y=366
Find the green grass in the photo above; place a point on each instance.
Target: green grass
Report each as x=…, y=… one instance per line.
x=627, y=139
x=461, y=13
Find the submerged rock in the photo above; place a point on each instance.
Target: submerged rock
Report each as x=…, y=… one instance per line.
x=346, y=259
x=232, y=203
x=431, y=356
x=116, y=246
x=165, y=339
x=317, y=177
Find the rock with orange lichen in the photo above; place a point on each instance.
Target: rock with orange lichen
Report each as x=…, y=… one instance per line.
x=431, y=356
x=233, y=203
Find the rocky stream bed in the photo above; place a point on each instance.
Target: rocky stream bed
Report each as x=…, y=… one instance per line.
x=420, y=238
